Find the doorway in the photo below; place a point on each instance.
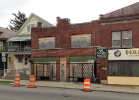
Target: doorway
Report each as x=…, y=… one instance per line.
x=26, y=62
x=63, y=66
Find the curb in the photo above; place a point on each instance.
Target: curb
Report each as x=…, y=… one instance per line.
x=85, y=91
x=77, y=89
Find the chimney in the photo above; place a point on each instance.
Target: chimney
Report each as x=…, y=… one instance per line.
x=100, y=16
x=58, y=18
x=39, y=24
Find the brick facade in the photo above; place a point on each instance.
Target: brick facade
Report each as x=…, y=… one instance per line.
x=108, y=29
x=62, y=33
x=100, y=36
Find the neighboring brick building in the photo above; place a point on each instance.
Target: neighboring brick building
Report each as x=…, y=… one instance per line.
x=121, y=31
x=118, y=31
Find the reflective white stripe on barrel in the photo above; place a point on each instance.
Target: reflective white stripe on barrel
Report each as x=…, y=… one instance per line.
x=32, y=83
x=87, y=87
x=17, y=78
x=16, y=82
x=86, y=82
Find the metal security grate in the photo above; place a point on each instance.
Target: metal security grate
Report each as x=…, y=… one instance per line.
x=80, y=71
x=45, y=71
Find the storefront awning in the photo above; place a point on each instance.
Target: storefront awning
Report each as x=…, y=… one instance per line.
x=20, y=38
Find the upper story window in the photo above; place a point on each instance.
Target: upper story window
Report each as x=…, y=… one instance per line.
x=122, y=38
x=47, y=43
x=29, y=27
x=83, y=40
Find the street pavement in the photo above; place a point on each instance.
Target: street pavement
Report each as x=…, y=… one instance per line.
x=80, y=85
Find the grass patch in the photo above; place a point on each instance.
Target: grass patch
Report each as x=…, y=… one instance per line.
x=6, y=82
x=22, y=77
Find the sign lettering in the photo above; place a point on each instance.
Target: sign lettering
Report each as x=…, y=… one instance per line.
x=101, y=52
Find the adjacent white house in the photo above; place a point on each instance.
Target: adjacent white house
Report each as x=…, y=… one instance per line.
x=20, y=45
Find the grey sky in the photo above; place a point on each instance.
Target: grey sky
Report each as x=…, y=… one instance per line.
x=77, y=11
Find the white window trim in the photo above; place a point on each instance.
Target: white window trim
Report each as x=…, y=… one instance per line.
x=121, y=40
x=30, y=27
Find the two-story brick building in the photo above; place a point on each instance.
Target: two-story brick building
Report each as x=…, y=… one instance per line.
x=71, y=48
x=70, y=45
x=121, y=31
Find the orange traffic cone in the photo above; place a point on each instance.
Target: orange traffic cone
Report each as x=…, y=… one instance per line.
x=87, y=84
x=17, y=80
x=32, y=82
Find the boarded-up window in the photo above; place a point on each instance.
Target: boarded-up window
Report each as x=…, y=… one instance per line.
x=47, y=43
x=83, y=40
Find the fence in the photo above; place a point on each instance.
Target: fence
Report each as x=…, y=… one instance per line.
x=45, y=71
x=10, y=73
x=80, y=71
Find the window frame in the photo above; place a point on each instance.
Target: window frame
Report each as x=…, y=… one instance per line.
x=9, y=58
x=121, y=38
x=46, y=42
x=29, y=27
x=75, y=38
x=114, y=68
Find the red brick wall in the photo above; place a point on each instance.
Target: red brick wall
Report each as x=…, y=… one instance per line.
x=107, y=29
x=62, y=34
x=106, y=40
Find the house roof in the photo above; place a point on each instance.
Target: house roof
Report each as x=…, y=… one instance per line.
x=6, y=33
x=20, y=38
x=44, y=22
x=126, y=11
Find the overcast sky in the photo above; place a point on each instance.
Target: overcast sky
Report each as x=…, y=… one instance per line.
x=78, y=11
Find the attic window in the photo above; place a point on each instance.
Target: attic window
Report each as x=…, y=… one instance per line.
x=30, y=26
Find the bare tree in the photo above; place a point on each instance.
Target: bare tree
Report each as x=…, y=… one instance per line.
x=19, y=20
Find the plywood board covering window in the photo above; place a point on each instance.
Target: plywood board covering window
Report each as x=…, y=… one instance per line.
x=47, y=43
x=82, y=40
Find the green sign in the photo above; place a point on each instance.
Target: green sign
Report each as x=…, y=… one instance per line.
x=101, y=52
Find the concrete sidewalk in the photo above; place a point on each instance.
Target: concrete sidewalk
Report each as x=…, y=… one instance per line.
x=79, y=85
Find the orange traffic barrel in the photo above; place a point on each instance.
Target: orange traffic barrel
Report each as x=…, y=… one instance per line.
x=17, y=80
x=32, y=82
x=86, y=84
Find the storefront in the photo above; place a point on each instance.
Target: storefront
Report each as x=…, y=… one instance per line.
x=123, y=66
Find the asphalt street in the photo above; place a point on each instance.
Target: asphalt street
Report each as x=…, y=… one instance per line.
x=9, y=92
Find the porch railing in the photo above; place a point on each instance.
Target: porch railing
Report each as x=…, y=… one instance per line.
x=3, y=49
x=19, y=49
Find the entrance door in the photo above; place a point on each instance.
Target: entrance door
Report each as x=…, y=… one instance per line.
x=63, y=69
x=25, y=62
